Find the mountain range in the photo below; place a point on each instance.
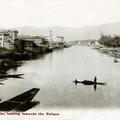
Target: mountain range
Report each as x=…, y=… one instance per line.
x=83, y=33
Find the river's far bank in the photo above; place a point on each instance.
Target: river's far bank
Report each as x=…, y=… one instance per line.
x=112, y=51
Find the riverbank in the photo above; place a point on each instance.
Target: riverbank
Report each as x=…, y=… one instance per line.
x=26, y=54
x=112, y=51
x=6, y=64
x=13, y=58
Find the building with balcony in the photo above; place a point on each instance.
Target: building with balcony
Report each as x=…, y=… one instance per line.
x=7, y=38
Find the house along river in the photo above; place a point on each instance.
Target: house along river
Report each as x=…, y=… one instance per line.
x=55, y=72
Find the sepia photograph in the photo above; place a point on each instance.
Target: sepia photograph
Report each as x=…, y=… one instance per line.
x=59, y=59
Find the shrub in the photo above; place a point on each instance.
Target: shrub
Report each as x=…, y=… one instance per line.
x=109, y=41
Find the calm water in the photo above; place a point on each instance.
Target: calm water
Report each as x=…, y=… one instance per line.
x=54, y=74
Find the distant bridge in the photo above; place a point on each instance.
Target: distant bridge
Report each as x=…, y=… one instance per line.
x=90, y=42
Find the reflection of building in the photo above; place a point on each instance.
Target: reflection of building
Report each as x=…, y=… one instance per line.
x=7, y=38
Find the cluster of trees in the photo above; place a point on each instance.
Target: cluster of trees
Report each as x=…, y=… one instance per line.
x=109, y=41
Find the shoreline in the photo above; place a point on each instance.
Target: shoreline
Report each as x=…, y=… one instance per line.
x=114, y=52
x=12, y=59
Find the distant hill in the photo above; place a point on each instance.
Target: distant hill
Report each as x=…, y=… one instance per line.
x=83, y=33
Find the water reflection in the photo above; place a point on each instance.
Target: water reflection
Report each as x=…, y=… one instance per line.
x=26, y=107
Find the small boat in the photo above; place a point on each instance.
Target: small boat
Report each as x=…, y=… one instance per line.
x=116, y=60
x=89, y=82
x=2, y=76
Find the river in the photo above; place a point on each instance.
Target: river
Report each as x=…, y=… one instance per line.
x=55, y=72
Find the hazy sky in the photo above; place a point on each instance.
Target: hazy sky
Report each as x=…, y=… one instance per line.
x=47, y=13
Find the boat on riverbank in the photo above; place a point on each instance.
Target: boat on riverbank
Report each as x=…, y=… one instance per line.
x=116, y=60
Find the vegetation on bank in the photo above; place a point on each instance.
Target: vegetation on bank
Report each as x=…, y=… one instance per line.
x=109, y=41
